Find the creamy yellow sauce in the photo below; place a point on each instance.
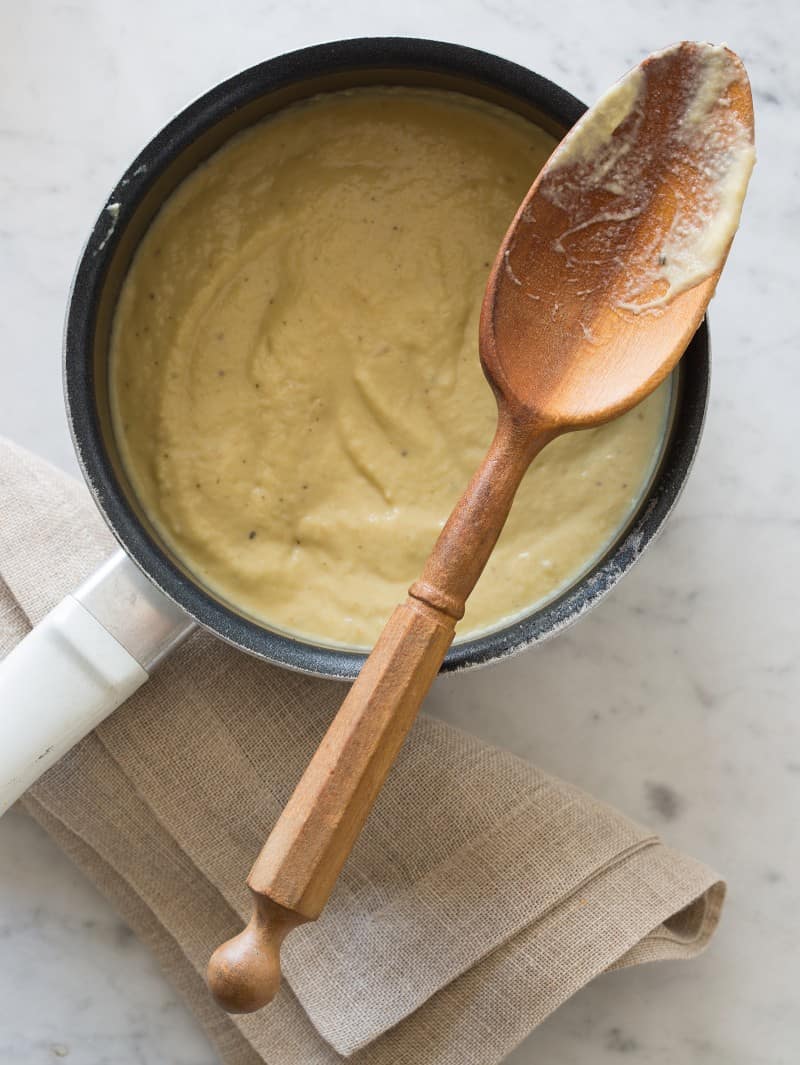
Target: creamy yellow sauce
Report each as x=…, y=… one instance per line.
x=295, y=379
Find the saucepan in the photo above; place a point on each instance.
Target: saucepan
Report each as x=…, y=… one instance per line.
x=102, y=642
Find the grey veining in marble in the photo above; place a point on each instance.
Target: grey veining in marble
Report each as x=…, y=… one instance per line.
x=676, y=700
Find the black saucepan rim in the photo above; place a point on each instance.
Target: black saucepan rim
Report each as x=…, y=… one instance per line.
x=274, y=74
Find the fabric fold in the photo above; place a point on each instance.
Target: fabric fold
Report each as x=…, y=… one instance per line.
x=481, y=894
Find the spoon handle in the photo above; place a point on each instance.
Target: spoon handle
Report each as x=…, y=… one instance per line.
x=298, y=866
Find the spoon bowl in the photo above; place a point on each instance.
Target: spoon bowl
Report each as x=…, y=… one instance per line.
x=610, y=262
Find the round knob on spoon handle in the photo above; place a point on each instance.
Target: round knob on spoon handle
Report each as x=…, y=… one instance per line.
x=244, y=973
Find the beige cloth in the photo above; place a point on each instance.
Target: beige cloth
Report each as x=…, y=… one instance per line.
x=481, y=894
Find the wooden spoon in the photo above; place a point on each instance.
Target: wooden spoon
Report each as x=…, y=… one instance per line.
x=600, y=283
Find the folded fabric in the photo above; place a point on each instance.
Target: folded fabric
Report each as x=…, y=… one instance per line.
x=481, y=895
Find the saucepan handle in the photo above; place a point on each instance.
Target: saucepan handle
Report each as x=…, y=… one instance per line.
x=78, y=664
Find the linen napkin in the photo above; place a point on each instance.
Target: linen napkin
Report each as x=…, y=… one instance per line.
x=481, y=895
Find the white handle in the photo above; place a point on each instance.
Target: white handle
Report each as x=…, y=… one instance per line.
x=73, y=669
x=55, y=686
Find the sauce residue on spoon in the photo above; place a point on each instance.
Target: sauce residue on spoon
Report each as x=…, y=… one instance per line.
x=606, y=156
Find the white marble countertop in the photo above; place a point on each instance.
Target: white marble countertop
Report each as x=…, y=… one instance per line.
x=676, y=700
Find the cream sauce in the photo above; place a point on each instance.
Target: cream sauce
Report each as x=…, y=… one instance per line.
x=295, y=379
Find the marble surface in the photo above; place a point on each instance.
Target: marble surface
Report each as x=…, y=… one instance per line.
x=676, y=700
